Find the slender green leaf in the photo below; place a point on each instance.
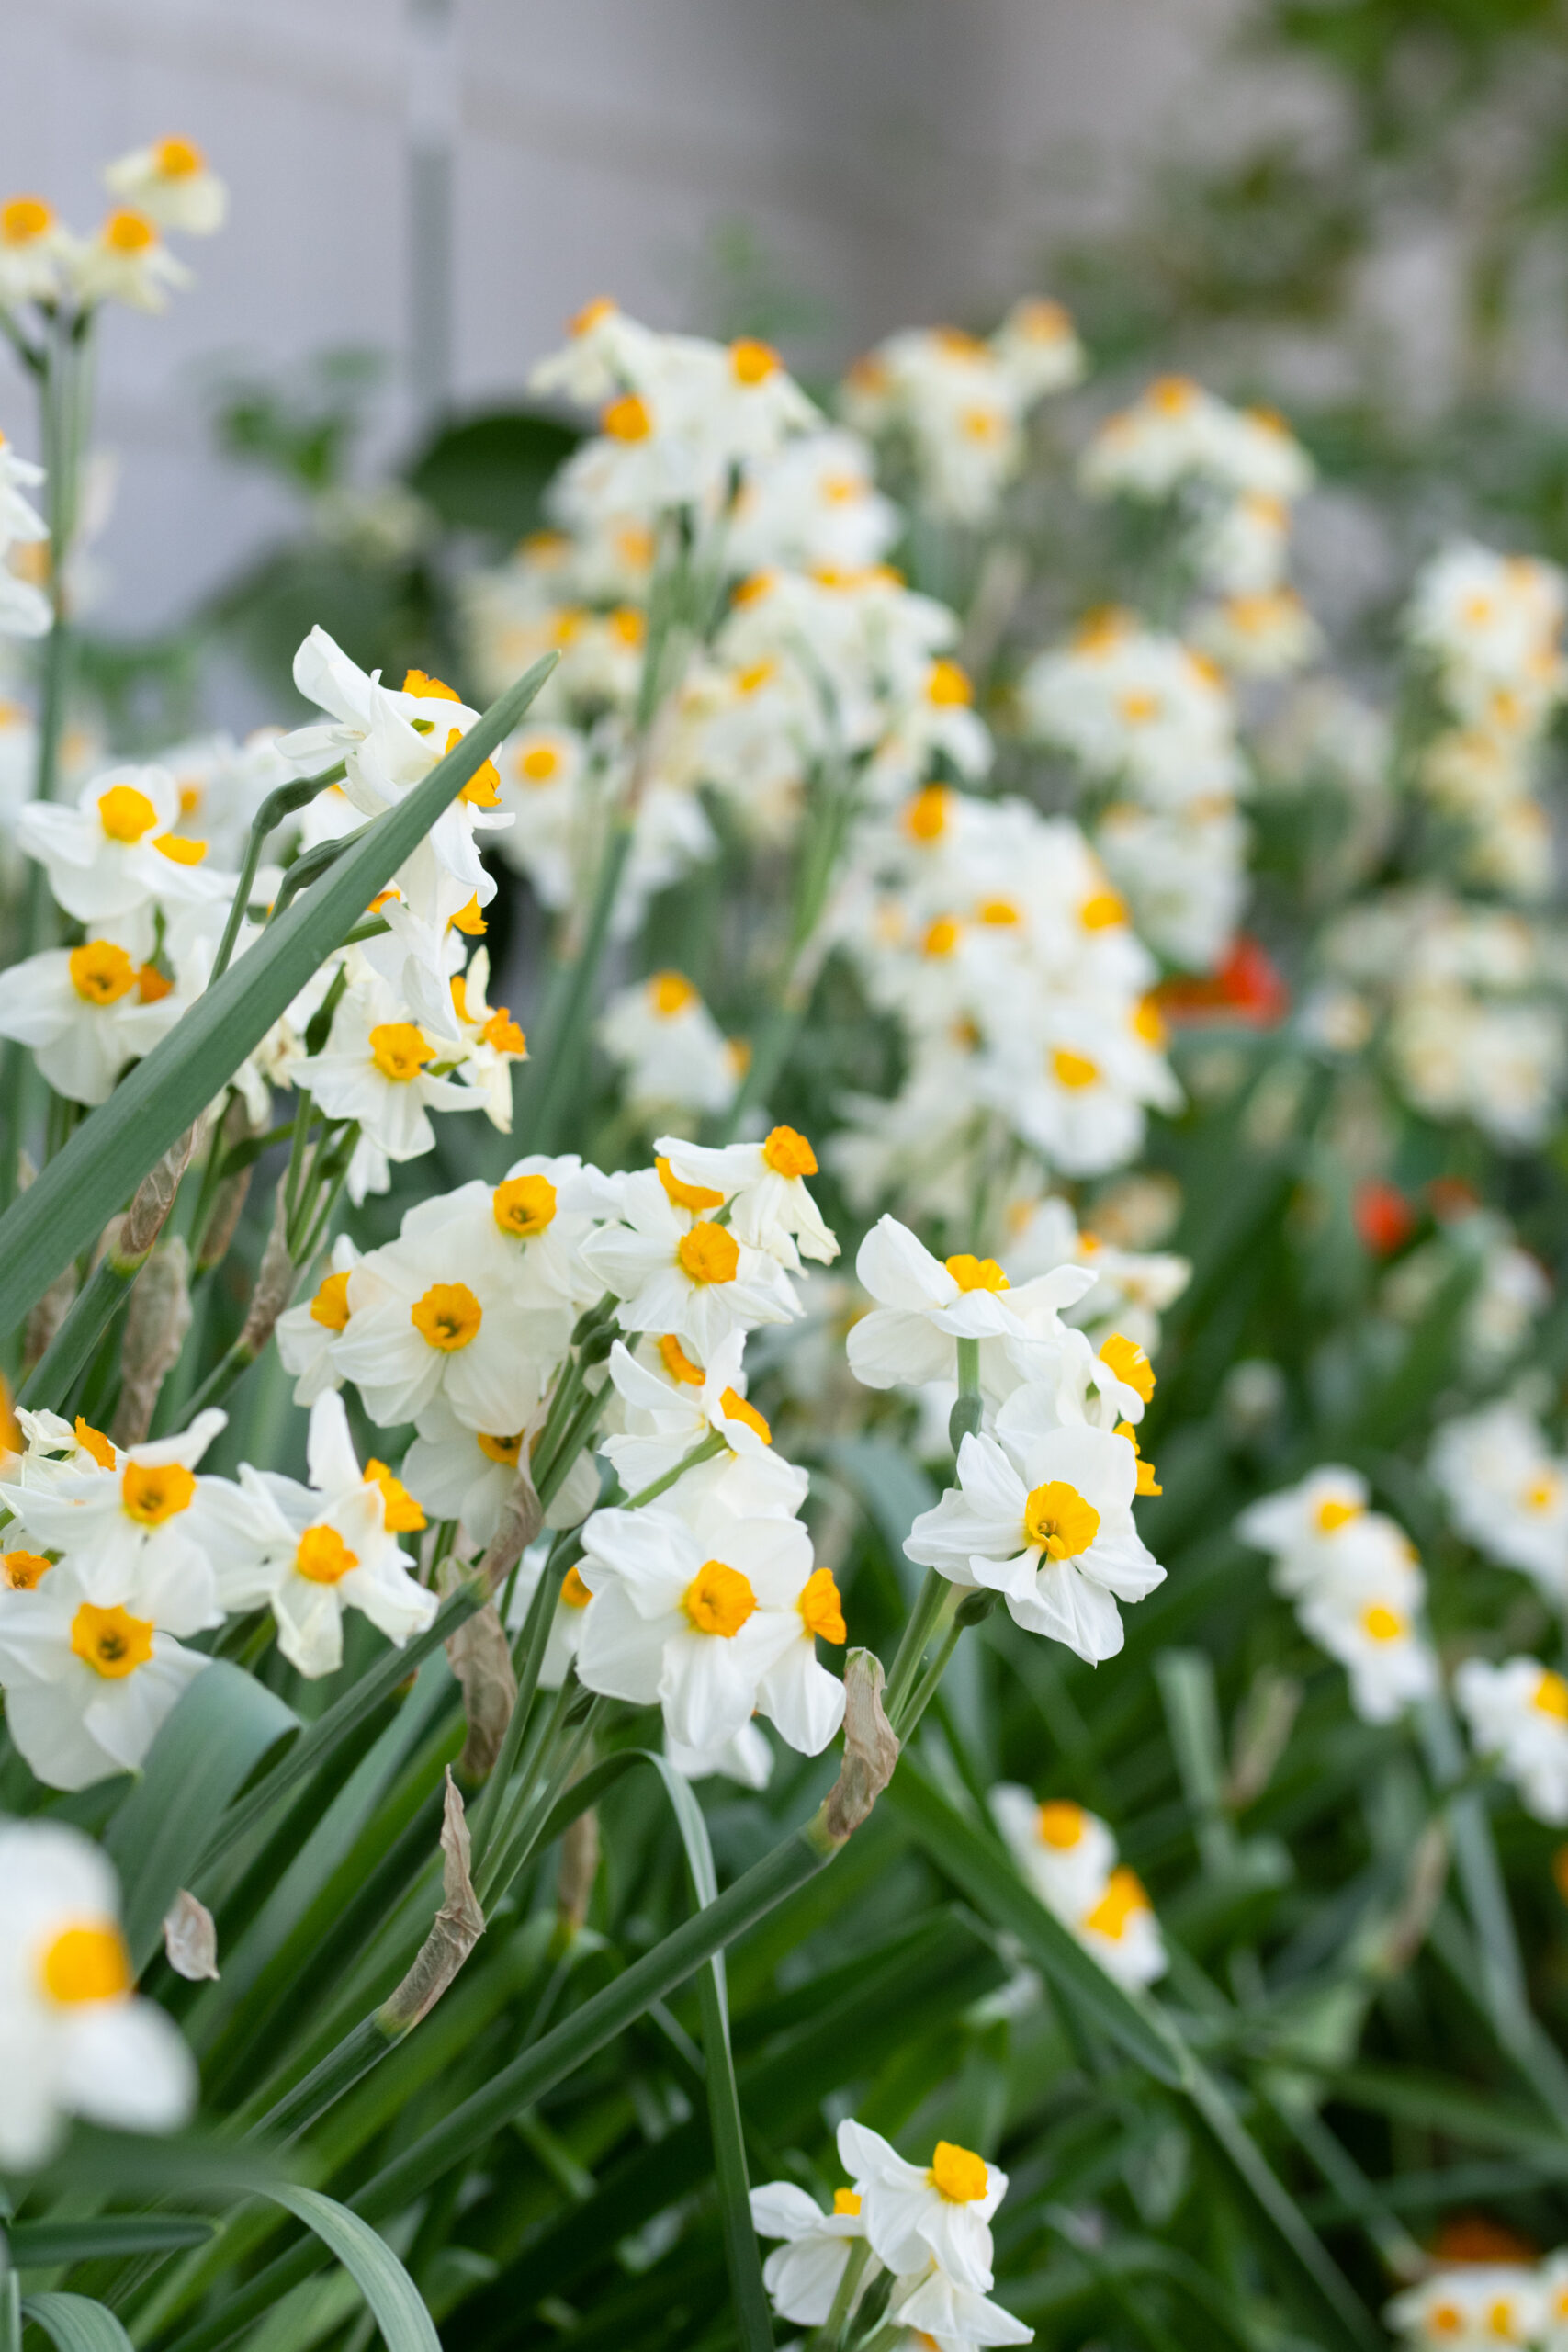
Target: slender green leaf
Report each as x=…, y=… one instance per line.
x=43, y=2245
x=223, y=1724
x=64, y=1212
x=75, y=2323
x=393, y=2298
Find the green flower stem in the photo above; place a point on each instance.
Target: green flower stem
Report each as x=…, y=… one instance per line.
x=536, y=2071
x=528, y=1660
x=919, y=1628
x=835, y=2327
x=271, y=814
x=523, y=1833
x=965, y=1418
x=904, y=1712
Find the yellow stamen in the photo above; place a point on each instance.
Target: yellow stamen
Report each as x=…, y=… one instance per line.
x=151, y=986
x=787, y=1153
x=718, y=1600
x=948, y=686
x=1074, y=1072
x=538, y=763
x=505, y=1449
x=1381, y=1624
x=179, y=849
x=1332, y=1515
x=574, y=1593
x=111, y=1642
x=94, y=1443
x=678, y=1363
x=925, y=819
x=752, y=362
x=399, y=1051
x=177, y=159
x=503, y=1035
x=470, y=920
x=735, y=1408
x=128, y=232
x=670, y=993
x=1058, y=1519
x=1102, y=911
x=977, y=1274
x=845, y=2201
x=821, y=1607
x=24, y=220
x=401, y=1514
x=1130, y=1363
x=1147, y=1483
x=525, y=1205
x=709, y=1253
x=958, y=2173
x=694, y=1197
x=330, y=1305
x=428, y=689
x=1550, y=1696
x=626, y=419
x=321, y=1556
x=21, y=1570
x=87, y=1963
x=447, y=1316
x=126, y=814
x=942, y=937
x=101, y=973
x=1061, y=1824
x=151, y=1492
x=1121, y=1902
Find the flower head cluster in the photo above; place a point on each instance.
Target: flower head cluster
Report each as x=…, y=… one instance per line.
x=1153, y=722
x=165, y=186
x=993, y=936
x=1067, y=1856
x=1469, y=2306
x=1358, y=1586
x=953, y=405
x=1489, y=628
x=1042, y=1511
x=1506, y=1492
x=928, y=2225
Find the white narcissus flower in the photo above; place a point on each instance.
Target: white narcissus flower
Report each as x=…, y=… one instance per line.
x=126, y=262
x=802, y=2275
x=951, y=2317
x=308, y=1553
x=1471, y=2308
x=1517, y=1712
x=87, y=1012
x=491, y=1041
x=374, y=1069
x=913, y=2213
x=141, y=1528
x=74, y=2038
x=172, y=183
x=669, y=1411
x=669, y=1045
x=33, y=247
x=1375, y=1633
x=710, y=1613
x=747, y=1758
x=1066, y=1853
x=306, y=1332
x=118, y=850
x=1304, y=1527
x=673, y=1269
x=764, y=1184
x=428, y=1318
x=924, y=1307
x=1043, y=1514
x=88, y=1684
x=1506, y=1491
x=466, y=1474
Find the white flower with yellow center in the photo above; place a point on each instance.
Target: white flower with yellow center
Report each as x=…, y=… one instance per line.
x=376, y=1067
x=764, y=1186
x=1551, y=2284
x=127, y=261
x=118, y=850
x=813, y=501
x=669, y=1046
x=88, y=1683
x=308, y=1553
x=390, y=740
x=566, y=1625
x=87, y=1012
x=1068, y=1856
x=492, y=1042
x=1374, y=1629
x=670, y=1405
x=924, y=1307
x=1043, y=1514
x=306, y=1332
x=695, y=1605
x=34, y=246
x=74, y=2038
x=428, y=1318
x=141, y=1527
x=802, y=2275
x=173, y=183
x=1305, y=1527
x=1471, y=2310
x=673, y=1269
x=466, y=1474
x=915, y=2213
x=1506, y=1491
x=937, y=2310
x=1518, y=1713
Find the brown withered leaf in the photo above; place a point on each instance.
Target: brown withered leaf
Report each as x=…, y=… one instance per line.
x=455, y=1930
x=481, y=1657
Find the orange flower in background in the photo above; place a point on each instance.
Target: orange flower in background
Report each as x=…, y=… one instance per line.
x=1248, y=987
x=1384, y=1218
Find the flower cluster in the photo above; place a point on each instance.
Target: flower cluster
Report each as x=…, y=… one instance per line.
x=1489, y=629
x=167, y=186
x=1485, y=2302
x=927, y=2226
x=951, y=406
x=1067, y=1856
x=1041, y=1515
x=1357, y=1585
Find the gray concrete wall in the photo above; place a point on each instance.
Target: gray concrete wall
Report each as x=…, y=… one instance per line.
x=899, y=159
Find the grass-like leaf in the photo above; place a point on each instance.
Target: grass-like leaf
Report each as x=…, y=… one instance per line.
x=75, y=2323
